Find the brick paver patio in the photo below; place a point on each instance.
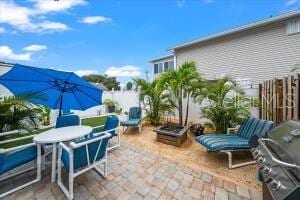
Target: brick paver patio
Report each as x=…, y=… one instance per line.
x=137, y=174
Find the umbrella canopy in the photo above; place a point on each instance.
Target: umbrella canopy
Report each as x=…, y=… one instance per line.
x=59, y=90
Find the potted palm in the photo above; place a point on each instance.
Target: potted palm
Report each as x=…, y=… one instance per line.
x=111, y=105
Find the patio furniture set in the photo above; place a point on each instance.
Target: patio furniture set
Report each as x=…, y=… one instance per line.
x=79, y=150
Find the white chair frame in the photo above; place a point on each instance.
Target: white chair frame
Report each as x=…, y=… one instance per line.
x=229, y=154
x=118, y=132
x=91, y=165
x=38, y=162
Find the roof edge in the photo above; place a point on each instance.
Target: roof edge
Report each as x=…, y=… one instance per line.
x=161, y=58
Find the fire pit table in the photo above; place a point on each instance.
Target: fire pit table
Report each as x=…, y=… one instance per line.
x=172, y=134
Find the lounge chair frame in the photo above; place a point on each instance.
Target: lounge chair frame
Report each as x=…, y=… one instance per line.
x=230, y=162
x=38, y=162
x=90, y=165
x=229, y=154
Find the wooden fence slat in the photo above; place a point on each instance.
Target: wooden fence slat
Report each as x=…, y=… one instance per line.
x=296, y=97
x=274, y=100
x=284, y=91
x=290, y=98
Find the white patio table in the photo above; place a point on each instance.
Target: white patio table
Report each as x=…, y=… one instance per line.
x=56, y=135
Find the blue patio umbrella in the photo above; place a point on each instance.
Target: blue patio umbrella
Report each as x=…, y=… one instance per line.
x=59, y=90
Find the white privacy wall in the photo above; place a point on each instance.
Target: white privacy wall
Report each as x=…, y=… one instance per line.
x=125, y=99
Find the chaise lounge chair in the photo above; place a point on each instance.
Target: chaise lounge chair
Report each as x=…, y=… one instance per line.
x=134, y=118
x=228, y=143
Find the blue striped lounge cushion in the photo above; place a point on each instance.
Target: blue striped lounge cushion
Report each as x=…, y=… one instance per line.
x=217, y=142
x=253, y=126
x=131, y=122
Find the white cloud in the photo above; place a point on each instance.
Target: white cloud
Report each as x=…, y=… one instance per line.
x=2, y=30
x=125, y=71
x=7, y=53
x=45, y=6
x=33, y=19
x=35, y=47
x=54, y=26
x=95, y=19
x=86, y=72
x=291, y=2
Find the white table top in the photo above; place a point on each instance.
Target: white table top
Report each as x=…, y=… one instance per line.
x=62, y=134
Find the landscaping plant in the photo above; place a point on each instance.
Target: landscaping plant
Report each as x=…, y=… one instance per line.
x=155, y=99
x=181, y=83
x=228, y=105
x=111, y=105
x=16, y=113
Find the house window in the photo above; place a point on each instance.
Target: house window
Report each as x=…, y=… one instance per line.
x=163, y=66
x=155, y=68
x=168, y=65
x=293, y=26
x=160, y=67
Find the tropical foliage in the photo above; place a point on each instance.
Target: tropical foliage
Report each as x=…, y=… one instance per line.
x=182, y=83
x=109, y=82
x=110, y=102
x=129, y=86
x=44, y=113
x=228, y=104
x=17, y=113
x=155, y=99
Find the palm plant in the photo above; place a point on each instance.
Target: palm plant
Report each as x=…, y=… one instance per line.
x=155, y=99
x=181, y=83
x=228, y=104
x=17, y=113
x=44, y=112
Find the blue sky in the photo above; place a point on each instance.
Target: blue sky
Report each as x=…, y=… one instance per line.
x=116, y=37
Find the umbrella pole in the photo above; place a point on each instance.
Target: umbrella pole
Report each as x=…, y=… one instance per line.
x=60, y=105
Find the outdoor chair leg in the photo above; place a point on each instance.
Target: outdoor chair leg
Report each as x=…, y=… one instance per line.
x=232, y=166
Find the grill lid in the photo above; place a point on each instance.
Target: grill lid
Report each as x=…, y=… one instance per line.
x=287, y=139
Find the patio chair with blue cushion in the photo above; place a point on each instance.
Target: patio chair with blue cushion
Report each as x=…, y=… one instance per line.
x=67, y=120
x=228, y=143
x=112, y=125
x=82, y=156
x=17, y=156
x=134, y=118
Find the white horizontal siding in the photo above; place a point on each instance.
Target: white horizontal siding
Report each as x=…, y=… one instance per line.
x=260, y=54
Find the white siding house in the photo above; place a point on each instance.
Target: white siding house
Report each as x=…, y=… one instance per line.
x=258, y=51
x=162, y=64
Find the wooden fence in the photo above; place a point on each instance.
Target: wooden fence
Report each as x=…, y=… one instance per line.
x=279, y=99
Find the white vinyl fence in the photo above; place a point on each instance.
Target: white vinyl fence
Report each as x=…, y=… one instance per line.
x=125, y=99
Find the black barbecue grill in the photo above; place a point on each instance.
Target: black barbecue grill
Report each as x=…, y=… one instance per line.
x=278, y=159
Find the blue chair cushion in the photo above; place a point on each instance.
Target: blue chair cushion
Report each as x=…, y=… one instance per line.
x=80, y=158
x=217, y=142
x=18, y=158
x=67, y=120
x=112, y=122
x=131, y=122
x=252, y=126
x=135, y=113
x=1, y=160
